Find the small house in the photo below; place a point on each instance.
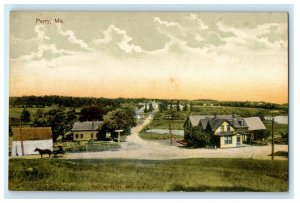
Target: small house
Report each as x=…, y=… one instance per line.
x=227, y=130
x=25, y=140
x=87, y=130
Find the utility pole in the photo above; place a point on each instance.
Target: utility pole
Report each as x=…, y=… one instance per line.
x=21, y=137
x=170, y=130
x=272, y=137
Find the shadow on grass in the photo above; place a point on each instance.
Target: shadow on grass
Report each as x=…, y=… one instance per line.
x=280, y=153
x=206, y=188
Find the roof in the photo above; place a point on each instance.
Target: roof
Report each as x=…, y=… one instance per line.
x=195, y=119
x=254, y=123
x=87, y=125
x=204, y=122
x=37, y=133
x=250, y=123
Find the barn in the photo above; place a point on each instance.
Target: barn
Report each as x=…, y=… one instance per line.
x=30, y=138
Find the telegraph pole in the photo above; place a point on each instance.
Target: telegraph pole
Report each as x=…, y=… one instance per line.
x=272, y=137
x=21, y=137
x=170, y=130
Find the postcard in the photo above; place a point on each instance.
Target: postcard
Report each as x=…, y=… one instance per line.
x=148, y=101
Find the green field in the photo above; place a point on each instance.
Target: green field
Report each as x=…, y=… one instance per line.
x=157, y=136
x=242, y=111
x=15, y=112
x=278, y=128
x=148, y=175
x=164, y=124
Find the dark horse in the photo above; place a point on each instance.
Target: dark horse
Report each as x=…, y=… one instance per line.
x=43, y=151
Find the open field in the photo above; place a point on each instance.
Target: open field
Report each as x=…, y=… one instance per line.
x=15, y=112
x=164, y=124
x=242, y=111
x=278, y=128
x=148, y=175
x=157, y=136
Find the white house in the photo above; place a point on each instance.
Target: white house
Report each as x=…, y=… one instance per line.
x=31, y=138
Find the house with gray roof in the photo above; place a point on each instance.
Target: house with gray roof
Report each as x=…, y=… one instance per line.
x=226, y=130
x=87, y=130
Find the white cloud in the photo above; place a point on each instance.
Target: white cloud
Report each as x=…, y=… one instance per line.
x=46, y=52
x=41, y=34
x=166, y=23
x=195, y=18
x=72, y=37
x=123, y=41
x=256, y=38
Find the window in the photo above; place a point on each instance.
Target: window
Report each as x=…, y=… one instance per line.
x=81, y=136
x=76, y=135
x=228, y=140
x=228, y=127
x=92, y=136
x=221, y=128
x=241, y=122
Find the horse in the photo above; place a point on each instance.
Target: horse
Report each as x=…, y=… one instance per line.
x=43, y=151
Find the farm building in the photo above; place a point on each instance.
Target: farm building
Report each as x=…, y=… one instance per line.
x=87, y=130
x=227, y=130
x=31, y=138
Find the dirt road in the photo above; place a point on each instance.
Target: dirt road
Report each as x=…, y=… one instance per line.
x=137, y=148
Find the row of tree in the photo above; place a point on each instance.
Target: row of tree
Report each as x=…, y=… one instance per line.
x=165, y=105
x=43, y=101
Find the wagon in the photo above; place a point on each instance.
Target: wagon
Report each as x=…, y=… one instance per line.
x=58, y=150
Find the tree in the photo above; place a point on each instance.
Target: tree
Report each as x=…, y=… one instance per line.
x=177, y=106
x=197, y=137
x=163, y=106
x=25, y=116
x=120, y=118
x=285, y=137
x=191, y=106
x=70, y=119
x=171, y=104
x=150, y=107
x=145, y=108
x=10, y=131
x=39, y=119
x=56, y=118
x=91, y=113
x=185, y=107
x=262, y=135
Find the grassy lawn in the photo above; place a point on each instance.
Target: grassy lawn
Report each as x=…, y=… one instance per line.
x=157, y=136
x=164, y=124
x=148, y=175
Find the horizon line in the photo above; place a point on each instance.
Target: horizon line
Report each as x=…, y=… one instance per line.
x=154, y=98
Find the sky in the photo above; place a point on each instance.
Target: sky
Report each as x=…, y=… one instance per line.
x=163, y=55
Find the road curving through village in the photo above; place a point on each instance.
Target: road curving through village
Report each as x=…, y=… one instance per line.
x=137, y=148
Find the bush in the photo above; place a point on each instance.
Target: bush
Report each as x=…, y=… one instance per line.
x=197, y=138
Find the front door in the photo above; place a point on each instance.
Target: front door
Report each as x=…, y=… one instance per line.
x=238, y=141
